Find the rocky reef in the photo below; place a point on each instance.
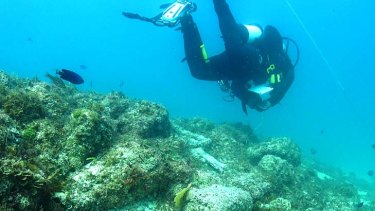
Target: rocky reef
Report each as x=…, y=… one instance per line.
x=62, y=149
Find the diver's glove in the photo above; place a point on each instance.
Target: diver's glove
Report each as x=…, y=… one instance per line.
x=253, y=101
x=262, y=106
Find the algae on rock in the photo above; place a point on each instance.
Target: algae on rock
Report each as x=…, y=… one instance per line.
x=23, y=106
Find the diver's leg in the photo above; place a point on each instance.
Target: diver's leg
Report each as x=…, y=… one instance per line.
x=234, y=34
x=200, y=66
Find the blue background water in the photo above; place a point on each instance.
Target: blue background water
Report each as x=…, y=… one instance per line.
x=335, y=38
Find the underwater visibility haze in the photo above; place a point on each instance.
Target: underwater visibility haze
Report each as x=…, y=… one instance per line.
x=140, y=110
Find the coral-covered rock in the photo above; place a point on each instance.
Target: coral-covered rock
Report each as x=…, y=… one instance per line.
x=23, y=106
x=128, y=172
x=239, y=132
x=218, y=198
x=252, y=183
x=191, y=140
x=5, y=79
x=147, y=120
x=115, y=104
x=54, y=104
x=3, y=93
x=280, y=147
x=89, y=134
x=275, y=169
x=17, y=177
x=41, y=143
x=9, y=133
x=277, y=204
x=195, y=125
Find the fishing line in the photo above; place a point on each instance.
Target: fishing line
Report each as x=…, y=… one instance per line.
x=320, y=52
x=330, y=68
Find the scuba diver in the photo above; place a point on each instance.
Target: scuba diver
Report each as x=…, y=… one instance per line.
x=254, y=67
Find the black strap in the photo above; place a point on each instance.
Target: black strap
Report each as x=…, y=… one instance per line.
x=289, y=40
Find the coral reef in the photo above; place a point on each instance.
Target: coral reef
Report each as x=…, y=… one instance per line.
x=277, y=204
x=62, y=149
x=9, y=133
x=146, y=119
x=127, y=172
x=89, y=134
x=281, y=147
x=23, y=106
x=219, y=198
x=256, y=185
x=275, y=169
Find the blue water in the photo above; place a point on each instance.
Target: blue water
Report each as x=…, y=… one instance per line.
x=328, y=108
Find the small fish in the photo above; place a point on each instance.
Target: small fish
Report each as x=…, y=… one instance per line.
x=29, y=39
x=83, y=67
x=313, y=151
x=370, y=173
x=70, y=76
x=373, y=146
x=121, y=84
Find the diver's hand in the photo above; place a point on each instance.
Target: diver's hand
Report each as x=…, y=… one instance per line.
x=253, y=100
x=262, y=106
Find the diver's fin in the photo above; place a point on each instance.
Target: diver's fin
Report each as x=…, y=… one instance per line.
x=184, y=59
x=131, y=15
x=138, y=17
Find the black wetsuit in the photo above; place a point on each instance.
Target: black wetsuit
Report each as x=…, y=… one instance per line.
x=241, y=61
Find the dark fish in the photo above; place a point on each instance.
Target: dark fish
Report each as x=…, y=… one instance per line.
x=70, y=76
x=30, y=39
x=370, y=173
x=121, y=84
x=373, y=146
x=83, y=67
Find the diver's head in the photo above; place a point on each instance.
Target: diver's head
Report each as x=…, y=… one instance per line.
x=271, y=41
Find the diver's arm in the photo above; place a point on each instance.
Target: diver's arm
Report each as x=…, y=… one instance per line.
x=223, y=11
x=233, y=34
